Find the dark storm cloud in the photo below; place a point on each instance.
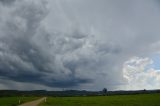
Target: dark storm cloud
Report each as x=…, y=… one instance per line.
x=61, y=44
x=37, y=78
x=7, y=2
x=25, y=54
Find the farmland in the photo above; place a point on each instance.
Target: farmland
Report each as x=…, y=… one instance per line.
x=117, y=100
x=14, y=101
x=113, y=100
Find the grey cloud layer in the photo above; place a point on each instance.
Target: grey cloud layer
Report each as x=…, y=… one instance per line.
x=75, y=43
x=7, y=2
x=28, y=55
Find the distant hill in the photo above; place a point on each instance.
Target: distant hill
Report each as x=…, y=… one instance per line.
x=4, y=93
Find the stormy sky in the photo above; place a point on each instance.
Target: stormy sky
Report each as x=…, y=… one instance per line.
x=79, y=44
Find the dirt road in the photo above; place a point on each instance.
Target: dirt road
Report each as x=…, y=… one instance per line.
x=34, y=103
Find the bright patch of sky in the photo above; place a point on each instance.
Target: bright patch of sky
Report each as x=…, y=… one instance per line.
x=156, y=62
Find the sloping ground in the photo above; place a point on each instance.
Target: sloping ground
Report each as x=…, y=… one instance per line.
x=34, y=103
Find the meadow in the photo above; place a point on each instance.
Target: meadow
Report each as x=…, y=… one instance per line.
x=117, y=100
x=14, y=101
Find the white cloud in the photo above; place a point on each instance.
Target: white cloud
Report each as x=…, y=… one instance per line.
x=139, y=76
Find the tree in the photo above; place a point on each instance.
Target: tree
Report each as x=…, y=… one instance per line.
x=104, y=91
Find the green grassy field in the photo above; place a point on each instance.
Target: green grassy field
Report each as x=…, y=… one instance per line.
x=14, y=101
x=122, y=100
